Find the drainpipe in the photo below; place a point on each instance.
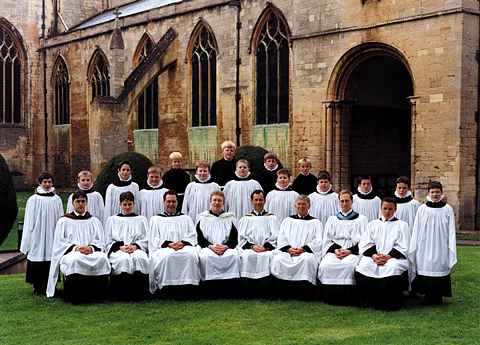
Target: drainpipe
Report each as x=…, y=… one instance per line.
x=45, y=113
x=477, y=120
x=238, y=96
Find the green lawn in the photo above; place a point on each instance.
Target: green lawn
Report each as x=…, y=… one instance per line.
x=27, y=319
x=11, y=241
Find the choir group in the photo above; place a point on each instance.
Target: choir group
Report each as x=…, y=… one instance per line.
x=228, y=230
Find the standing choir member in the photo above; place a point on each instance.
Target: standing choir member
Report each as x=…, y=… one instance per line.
x=432, y=250
x=324, y=200
x=176, y=178
x=381, y=274
x=305, y=183
x=365, y=201
x=78, y=253
x=238, y=191
x=267, y=176
x=340, y=247
x=121, y=183
x=95, y=204
x=407, y=206
x=42, y=212
x=127, y=250
x=299, y=246
x=151, y=198
x=257, y=232
x=281, y=200
x=173, y=248
x=197, y=193
x=223, y=170
x=218, y=237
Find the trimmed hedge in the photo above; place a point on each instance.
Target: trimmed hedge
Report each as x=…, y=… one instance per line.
x=254, y=154
x=140, y=165
x=8, y=200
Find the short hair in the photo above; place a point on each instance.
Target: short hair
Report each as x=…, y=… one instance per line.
x=243, y=161
x=435, y=185
x=45, y=176
x=79, y=194
x=323, y=175
x=85, y=173
x=403, y=179
x=169, y=192
x=255, y=192
x=202, y=164
x=270, y=155
x=345, y=191
x=228, y=143
x=284, y=172
x=304, y=161
x=217, y=193
x=119, y=165
x=154, y=169
x=127, y=196
x=175, y=155
x=365, y=177
x=304, y=198
x=389, y=200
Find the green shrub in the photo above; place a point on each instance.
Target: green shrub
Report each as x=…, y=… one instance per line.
x=140, y=165
x=8, y=200
x=254, y=154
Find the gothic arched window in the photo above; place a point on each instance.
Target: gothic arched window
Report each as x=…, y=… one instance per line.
x=204, y=77
x=99, y=76
x=62, y=92
x=147, y=108
x=10, y=78
x=272, y=69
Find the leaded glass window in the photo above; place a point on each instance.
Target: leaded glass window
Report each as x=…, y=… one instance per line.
x=62, y=93
x=10, y=79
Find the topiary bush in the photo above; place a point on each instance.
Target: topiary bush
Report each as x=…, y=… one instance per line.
x=254, y=154
x=8, y=200
x=140, y=165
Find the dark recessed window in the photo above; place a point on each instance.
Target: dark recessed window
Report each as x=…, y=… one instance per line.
x=99, y=76
x=62, y=93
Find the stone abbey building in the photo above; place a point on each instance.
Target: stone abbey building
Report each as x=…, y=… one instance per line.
x=376, y=87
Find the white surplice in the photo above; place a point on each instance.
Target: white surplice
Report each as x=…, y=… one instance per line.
x=259, y=230
x=77, y=232
x=323, y=205
x=237, y=196
x=197, y=198
x=112, y=198
x=123, y=230
x=169, y=266
x=95, y=205
x=151, y=201
x=298, y=232
x=367, y=204
x=281, y=203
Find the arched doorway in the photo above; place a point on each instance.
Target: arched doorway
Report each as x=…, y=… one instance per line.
x=370, y=117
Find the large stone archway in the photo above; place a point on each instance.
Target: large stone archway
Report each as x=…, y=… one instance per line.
x=369, y=117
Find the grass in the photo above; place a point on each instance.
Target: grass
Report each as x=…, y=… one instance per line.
x=28, y=319
x=11, y=241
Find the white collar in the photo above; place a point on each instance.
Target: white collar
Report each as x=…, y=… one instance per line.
x=82, y=188
x=121, y=179
x=79, y=214
x=273, y=169
x=243, y=177
x=363, y=193
x=203, y=181
x=152, y=186
x=346, y=214
x=387, y=220
x=283, y=188
x=324, y=193
x=402, y=197
x=40, y=190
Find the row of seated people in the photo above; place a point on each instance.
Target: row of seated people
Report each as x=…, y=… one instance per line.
x=349, y=254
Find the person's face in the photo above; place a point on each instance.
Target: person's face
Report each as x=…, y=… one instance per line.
x=176, y=163
x=305, y=168
x=125, y=171
x=258, y=202
x=216, y=204
x=154, y=178
x=365, y=185
x=323, y=185
x=46, y=183
x=302, y=207
x=79, y=205
x=85, y=182
x=170, y=204
x=202, y=172
x=435, y=194
x=401, y=189
x=270, y=163
x=127, y=206
x=345, y=203
x=228, y=153
x=242, y=169
x=283, y=180
x=388, y=209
